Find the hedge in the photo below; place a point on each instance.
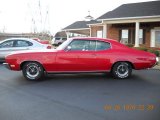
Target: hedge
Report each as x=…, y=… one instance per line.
x=155, y=51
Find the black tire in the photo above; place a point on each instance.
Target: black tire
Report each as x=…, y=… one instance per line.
x=59, y=44
x=33, y=71
x=122, y=70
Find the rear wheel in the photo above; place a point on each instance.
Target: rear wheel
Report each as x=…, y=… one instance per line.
x=33, y=71
x=122, y=70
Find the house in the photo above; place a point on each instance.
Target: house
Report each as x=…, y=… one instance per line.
x=81, y=28
x=134, y=23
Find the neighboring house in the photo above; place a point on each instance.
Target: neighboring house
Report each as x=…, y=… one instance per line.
x=81, y=28
x=135, y=23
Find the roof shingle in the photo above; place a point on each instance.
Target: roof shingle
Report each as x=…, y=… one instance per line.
x=151, y=8
x=80, y=24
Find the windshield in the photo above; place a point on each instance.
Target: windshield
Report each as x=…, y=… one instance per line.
x=64, y=45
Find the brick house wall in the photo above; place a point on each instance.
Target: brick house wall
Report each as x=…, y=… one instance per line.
x=94, y=30
x=112, y=32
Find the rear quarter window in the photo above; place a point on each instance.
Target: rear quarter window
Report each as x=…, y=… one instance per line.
x=102, y=45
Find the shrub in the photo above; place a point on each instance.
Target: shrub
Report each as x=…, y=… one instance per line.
x=142, y=48
x=156, y=52
x=151, y=50
x=129, y=45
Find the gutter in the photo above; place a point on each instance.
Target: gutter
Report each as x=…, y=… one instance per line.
x=126, y=18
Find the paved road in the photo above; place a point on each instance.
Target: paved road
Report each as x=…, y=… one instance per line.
x=80, y=97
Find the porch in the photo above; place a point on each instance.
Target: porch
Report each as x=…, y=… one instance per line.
x=136, y=33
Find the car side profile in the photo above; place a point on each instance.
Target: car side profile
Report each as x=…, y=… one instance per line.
x=81, y=55
x=18, y=44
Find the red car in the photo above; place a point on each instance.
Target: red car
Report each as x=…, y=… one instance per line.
x=43, y=42
x=79, y=55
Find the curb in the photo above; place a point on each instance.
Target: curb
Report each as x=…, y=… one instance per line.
x=157, y=67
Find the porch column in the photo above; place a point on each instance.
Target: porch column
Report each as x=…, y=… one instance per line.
x=90, y=32
x=67, y=33
x=105, y=31
x=152, y=43
x=137, y=35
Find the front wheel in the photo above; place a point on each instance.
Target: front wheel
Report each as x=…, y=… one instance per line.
x=33, y=71
x=122, y=70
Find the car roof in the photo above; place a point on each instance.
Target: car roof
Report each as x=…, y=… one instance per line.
x=95, y=38
x=27, y=39
x=114, y=43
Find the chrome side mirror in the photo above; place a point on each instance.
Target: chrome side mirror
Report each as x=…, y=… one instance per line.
x=68, y=48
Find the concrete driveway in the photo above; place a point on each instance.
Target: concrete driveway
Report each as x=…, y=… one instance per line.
x=80, y=97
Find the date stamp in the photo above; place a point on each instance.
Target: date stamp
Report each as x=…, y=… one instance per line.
x=129, y=107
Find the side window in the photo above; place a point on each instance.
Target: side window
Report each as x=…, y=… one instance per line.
x=22, y=43
x=57, y=39
x=7, y=44
x=102, y=45
x=64, y=38
x=124, y=36
x=92, y=45
x=79, y=45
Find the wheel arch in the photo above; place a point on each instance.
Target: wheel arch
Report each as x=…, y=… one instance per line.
x=24, y=62
x=132, y=65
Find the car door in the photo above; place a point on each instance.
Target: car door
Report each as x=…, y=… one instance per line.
x=6, y=47
x=87, y=58
x=20, y=45
x=95, y=57
x=80, y=57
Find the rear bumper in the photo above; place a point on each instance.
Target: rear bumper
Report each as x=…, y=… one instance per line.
x=157, y=60
x=6, y=65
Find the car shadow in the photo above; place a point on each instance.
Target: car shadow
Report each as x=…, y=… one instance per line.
x=137, y=79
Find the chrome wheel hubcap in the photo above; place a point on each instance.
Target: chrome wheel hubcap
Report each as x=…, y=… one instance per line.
x=122, y=70
x=32, y=71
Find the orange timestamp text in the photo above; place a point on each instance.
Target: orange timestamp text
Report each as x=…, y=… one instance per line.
x=129, y=107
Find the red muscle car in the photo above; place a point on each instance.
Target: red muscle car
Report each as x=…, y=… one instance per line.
x=79, y=55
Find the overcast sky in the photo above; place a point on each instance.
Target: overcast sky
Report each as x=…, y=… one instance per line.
x=53, y=15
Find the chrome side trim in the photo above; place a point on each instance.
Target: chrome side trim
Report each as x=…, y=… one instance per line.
x=70, y=72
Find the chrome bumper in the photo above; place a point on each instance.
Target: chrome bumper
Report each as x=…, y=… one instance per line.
x=157, y=60
x=6, y=65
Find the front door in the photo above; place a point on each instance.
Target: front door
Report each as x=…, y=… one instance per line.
x=84, y=55
x=78, y=57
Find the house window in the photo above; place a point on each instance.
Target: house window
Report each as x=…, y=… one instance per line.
x=141, y=36
x=124, y=36
x=99, y=34
x=157, y=38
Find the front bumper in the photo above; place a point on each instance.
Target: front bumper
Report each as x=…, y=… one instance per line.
x=6, y=65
